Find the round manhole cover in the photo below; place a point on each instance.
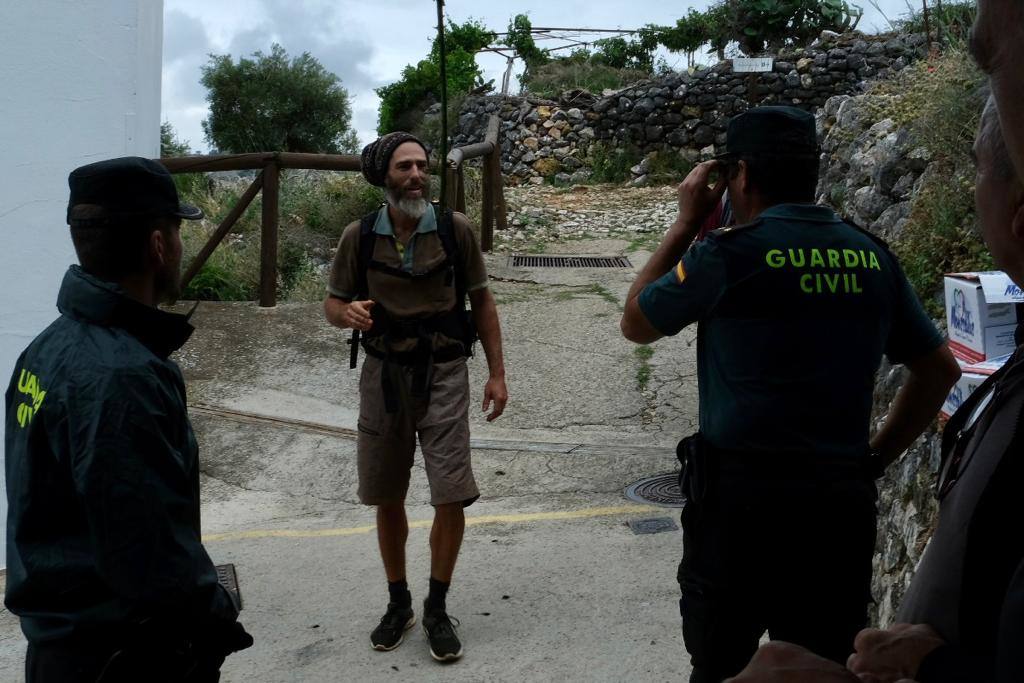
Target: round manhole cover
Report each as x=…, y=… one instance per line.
x=661, y=489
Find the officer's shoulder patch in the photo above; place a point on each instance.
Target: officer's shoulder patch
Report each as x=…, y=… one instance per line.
x=874, y=238
x=733, y=230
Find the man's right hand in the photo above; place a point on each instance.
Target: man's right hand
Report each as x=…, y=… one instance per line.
x=349, y=314
x=357, y=315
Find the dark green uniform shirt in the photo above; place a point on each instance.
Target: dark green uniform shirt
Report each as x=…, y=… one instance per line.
x=103, y=474
x=795, y=311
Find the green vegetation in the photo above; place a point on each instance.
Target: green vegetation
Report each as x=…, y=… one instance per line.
x=614, y=62
x=403, y=102
x=314, y=211
x=940, y=236
x=315, y=207
x=643, y=370
x=170, y=145
x=555, y=77
x=951, y=20
x=271, y=103
x=612, y=164
x=940, y=99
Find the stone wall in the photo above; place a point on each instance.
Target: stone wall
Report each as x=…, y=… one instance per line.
x=870, y=172
x=680, y=112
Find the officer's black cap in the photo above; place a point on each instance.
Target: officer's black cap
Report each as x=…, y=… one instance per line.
x=124, y=188
x=777, y=131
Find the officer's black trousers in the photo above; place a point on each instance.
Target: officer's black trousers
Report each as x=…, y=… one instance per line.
x=90, y=661
x=81, y=663
x=783, y=552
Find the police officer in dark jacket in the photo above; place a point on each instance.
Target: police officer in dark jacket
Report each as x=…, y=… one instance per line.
x=795, y=309
x=106, y=569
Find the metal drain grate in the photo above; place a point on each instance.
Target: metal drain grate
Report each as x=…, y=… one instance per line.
x=661, y=489
x=540, y=261
x=655, y=525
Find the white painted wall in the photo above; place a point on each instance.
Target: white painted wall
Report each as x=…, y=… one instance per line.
x=79, y=82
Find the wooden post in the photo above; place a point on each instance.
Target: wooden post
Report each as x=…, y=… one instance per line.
x=460, y=192
x=268, y=236
x=450, y=189
x=222, y=230
x=487, y=201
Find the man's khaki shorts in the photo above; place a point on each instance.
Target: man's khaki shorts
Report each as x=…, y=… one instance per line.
x=387, y=442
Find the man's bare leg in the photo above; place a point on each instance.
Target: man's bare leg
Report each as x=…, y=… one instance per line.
x=446, y=540
x=392, y=533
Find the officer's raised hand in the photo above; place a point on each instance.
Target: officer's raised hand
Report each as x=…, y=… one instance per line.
x=696, y=198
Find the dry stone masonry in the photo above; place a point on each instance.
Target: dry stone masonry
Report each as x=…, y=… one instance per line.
x=679, y=112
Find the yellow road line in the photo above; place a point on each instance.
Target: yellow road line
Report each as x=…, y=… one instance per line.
x=425, y=523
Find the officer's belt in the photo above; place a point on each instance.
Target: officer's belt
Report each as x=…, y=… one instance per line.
x=784, y=464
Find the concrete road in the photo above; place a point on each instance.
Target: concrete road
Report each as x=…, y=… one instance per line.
x=551, y=585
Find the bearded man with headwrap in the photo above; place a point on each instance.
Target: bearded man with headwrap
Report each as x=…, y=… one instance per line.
x=400, y=277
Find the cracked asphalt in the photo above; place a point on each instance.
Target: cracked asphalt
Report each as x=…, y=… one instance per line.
x=551, y=582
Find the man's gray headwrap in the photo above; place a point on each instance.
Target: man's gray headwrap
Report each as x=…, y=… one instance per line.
x=377, y=155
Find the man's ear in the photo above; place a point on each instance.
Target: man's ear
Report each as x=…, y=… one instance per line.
x=741, y=176
x=1017, y=222
x=157, y=247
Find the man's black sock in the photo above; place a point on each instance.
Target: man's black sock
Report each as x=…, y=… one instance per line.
x=399, y=592
x=437, y=594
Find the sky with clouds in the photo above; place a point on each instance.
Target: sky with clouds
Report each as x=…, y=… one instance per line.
x=367, y=43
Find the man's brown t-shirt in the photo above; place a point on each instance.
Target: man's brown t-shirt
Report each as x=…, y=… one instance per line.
x=405, y=298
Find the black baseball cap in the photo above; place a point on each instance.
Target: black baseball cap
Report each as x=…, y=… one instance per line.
x=776, y=130
x=126, y=187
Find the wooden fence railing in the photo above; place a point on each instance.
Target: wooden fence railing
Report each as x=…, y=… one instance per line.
x=493, y=207
x=268, y=181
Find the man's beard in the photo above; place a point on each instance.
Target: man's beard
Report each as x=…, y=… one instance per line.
x=413, y=208
x=168, y=285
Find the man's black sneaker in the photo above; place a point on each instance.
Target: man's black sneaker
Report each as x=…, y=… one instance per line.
x=444, y=641
x=392, y=627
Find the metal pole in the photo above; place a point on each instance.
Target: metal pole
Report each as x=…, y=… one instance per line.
x=442, y=158
x=927, y=30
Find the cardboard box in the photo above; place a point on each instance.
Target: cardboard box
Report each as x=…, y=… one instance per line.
x=964, y=387
x=981, y=314
x=971, y=378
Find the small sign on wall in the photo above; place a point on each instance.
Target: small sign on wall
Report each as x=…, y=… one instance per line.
x=752, y=65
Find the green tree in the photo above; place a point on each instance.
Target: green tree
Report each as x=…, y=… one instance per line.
x=520, y=39
x=273, y=103
x=403, y=102
x=756, y=25
x=170, y=145
x=619, y=53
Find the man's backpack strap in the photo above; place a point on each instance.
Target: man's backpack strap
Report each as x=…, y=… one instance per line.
x=367, y=240
x=446, y=233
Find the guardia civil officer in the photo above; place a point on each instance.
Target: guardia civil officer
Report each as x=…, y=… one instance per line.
x=105, y=566
x=795, y=308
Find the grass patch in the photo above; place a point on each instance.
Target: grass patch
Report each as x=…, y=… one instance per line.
x=669, y=167
x=643, y=356
x=612, y=164
x=551, y=79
